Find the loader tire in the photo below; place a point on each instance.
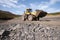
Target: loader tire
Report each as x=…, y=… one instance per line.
x=30, y=17
x=24, y=17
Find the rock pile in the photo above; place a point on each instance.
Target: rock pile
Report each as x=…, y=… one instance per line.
x=29, y=31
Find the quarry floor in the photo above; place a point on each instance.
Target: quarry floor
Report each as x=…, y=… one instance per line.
x=47, y=28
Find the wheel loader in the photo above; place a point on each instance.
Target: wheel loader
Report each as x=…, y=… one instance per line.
x=36, y=15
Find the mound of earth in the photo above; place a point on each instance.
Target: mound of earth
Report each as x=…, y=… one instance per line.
x=29, y=31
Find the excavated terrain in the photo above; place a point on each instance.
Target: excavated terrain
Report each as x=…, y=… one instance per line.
x=47, y=28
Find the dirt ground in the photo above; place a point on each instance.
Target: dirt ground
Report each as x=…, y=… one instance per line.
x=48, y=20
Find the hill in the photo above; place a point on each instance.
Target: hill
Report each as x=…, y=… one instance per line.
x=56, y=13
x=5, y=15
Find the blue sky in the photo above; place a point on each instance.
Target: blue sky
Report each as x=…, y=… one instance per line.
x=19, y=6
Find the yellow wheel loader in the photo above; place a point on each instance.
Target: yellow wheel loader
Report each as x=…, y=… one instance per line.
x=29, y=15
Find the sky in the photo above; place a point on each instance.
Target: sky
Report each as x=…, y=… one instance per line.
x=19, y=6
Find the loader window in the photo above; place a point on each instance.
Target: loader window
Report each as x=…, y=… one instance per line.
x=29, y=10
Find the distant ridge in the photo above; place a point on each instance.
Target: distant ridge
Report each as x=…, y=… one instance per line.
x=5, y=15
x=56, y=13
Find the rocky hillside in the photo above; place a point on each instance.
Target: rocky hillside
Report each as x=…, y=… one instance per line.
x=5, y=15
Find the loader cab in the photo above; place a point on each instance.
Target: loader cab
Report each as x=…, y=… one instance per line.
x=29, y=10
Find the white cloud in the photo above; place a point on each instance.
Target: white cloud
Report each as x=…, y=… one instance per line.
x=19, y=12
x=11, y=3
x=45, y=6
x=53, y=10
x=21, y=5
x=54, y=1
x=14, y=1
x=41, y=6
x=4, y=5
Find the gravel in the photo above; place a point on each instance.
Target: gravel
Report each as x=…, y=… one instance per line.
x=29, y=31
